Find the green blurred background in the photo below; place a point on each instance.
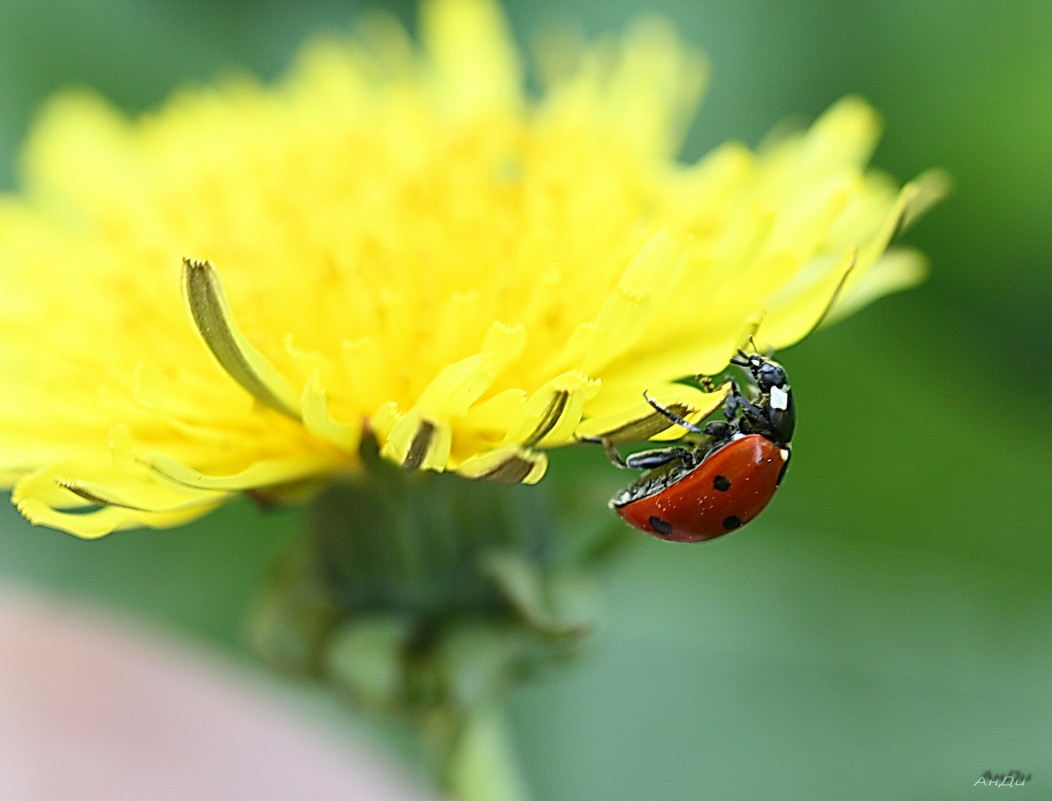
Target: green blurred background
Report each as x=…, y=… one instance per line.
x=885, y=630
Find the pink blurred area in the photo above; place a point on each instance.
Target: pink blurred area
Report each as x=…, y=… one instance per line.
x=96, y=709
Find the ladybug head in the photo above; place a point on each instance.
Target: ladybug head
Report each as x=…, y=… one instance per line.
x=765, y=372
x=773, y=412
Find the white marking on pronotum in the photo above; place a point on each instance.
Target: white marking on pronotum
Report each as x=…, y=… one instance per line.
x=785, y=453
x=779, y=398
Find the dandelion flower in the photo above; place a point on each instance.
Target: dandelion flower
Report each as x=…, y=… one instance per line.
x=226, y=295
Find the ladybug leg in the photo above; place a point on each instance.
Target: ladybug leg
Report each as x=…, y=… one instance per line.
x=739, y=406
x=644, y=460
x=720, y=432
x=734, y=400
x=611, y=452
x=759, y=419
x=752, y=413
x=671, y=415
x=648, y=460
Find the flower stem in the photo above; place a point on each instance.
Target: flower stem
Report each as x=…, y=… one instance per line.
x=478, y=758
x=424, y=598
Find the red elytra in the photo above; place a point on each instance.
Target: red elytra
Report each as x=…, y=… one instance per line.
x=729, y=488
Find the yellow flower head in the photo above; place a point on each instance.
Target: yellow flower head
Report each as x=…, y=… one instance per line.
x=397, y=240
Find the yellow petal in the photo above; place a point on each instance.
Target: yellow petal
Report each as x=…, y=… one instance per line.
x=896, y=270
x=803, y=305
x=476, y=66
x=316, y=417
x=642, y=422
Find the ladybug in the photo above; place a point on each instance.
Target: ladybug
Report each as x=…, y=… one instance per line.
x=725, y=474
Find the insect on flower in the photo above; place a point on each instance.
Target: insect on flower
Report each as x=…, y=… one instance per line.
x=726, y=473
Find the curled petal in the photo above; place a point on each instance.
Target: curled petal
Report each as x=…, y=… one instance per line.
x=241, y=360
x=46, y=496
x=509, y=465
x=263, y=473
x=417, y=443
x=106, y=520
x=552, y=413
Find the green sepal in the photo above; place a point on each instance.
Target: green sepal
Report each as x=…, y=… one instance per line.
x=365, y=658
x=528, y=588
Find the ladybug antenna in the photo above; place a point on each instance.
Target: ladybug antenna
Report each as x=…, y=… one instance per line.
x=742, y=358
x=752, y=344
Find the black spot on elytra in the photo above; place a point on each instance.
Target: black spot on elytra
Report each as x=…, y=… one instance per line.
x=662, y=527
x=721, y=483
x=731, y=523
